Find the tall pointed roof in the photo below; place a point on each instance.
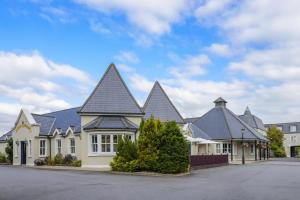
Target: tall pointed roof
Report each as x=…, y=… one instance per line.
x=111, y=96
x=160, y=106
x=252, y=120
x=222, y=124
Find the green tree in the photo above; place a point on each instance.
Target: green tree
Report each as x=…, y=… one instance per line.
x=148, y=144
x=9, y=150
x=126, y=156
x=276, y=137
x=173, y=156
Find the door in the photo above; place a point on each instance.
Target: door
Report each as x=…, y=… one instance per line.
x=23, y=153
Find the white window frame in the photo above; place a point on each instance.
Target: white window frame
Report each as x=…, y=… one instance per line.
x=293, y=139
x=72, y=146
x=293, y=128
x=100, y=143
x=218, y=148
x=227, y=150
x=92, y=144
x=29, y=148
x=45, y=148
x=57, y=146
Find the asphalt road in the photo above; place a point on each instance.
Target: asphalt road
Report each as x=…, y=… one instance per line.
x=274, y=180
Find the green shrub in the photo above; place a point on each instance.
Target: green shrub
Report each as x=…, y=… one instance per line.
x=9, y=150
x=39, y=162
x=3, y=158
x=173, y=156
x=58, y=159
x=76, y=163
x=68, y=159
x=126, y=157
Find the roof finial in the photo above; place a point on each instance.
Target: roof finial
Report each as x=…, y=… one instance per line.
x=220, y=102
x=247, y=110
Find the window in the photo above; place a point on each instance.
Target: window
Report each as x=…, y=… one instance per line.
x=29, y=148
x=218, y=148
x=58, y=146
x=94, y=143
x=226, y=148
x=129, y=137
x=42, y=147
x=293, y=128
x=116, y=139
x=105, y=143
x=293, y=139
x=72, y=146
x=252, y=148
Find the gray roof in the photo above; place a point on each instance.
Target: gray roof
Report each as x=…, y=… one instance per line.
x=7, y=135
x=111, y=122
x=252, y=120
x=62, y=120
x=190, y=119
x=222, y=124
x=286, y=127
x=111, y=96
x=197, y=132
x=160, y=106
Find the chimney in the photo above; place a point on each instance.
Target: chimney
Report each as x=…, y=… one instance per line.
x=220, y=102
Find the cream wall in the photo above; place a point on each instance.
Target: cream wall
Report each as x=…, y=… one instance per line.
x=2, y=147
x=25, y=132
x=65, y=145
x=288, y=142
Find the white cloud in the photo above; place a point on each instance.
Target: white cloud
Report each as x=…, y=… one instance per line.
x=154, y=17
x=34, y=82
x=220, y=49
x=140, y=83
x=190, y=66
x=127, y=57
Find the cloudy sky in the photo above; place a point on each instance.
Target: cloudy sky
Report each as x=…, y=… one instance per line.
x=53, y=52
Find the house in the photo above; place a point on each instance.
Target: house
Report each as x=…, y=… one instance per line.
x=91, y=132
x=3, y=140
x=231, y=131
x=291, y=141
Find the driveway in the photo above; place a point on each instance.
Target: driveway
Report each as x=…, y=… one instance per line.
x=274, y=180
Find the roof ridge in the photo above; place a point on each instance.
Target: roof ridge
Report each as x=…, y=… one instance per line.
x=226, y=121
x=164, y=93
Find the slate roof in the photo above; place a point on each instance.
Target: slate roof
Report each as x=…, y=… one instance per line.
x=111, y=122
x=252, y=120
x=62, y=120
x=286, y=127
x=111, y=96
x=197, y=132
x=6, y=136
x=160, y=106
x=222, y=124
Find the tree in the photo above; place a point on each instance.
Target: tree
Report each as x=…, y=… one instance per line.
x=276, y=137
x=173, y=156
x=126, y=156
x=9, y=150
x=148, y=143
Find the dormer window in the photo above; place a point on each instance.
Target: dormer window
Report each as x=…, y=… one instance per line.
x=293, y=128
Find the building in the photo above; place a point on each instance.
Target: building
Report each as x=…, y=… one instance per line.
x=231, y=131
x=291, y=137
x=90, y=132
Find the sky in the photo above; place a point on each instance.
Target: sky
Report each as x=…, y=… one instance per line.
x=53, y=53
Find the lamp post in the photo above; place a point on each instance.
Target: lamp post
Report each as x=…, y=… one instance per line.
x=243, y=147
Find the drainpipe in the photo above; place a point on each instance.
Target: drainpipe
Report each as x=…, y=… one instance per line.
x=255, y=146
x=231, y=151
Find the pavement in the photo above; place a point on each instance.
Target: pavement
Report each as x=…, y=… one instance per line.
x=274, y=180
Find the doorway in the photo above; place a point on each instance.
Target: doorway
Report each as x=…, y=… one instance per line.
x=23, y=153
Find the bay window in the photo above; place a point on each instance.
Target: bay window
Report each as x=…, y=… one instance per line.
x=94, y=143
x=224, y=148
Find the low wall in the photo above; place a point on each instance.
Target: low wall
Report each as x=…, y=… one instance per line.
x=202, y=161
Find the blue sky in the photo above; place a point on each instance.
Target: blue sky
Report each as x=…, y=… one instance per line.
x=52, y=53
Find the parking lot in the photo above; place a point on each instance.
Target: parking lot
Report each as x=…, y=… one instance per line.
x=274, y=180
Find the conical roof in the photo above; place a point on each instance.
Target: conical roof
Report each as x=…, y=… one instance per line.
x=222, y=124
x=160, y=106
x=252, y=120
x=111, y=96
